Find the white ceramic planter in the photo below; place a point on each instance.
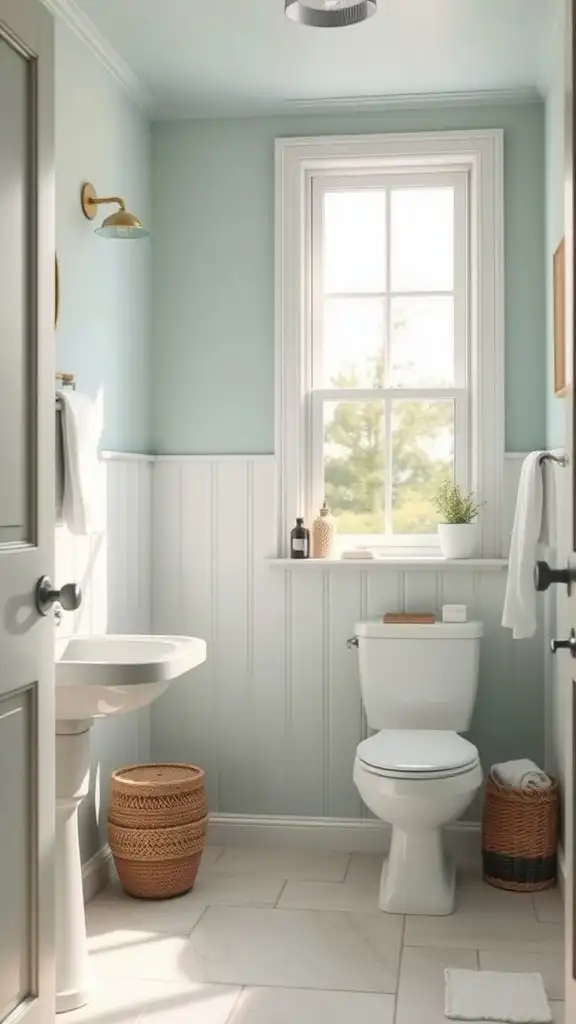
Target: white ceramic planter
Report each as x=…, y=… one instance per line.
x=458, y=540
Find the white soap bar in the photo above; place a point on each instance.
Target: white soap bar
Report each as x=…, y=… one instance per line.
x=359, y=553
x=454, y=613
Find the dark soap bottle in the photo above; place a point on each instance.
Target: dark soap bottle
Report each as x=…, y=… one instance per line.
x=300, y=541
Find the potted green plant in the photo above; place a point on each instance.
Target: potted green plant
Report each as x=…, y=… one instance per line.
x=458, y=529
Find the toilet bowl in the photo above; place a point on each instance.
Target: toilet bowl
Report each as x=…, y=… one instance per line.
x=419, y=684
x=417, y=781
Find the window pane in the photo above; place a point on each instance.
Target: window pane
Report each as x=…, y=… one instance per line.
x=354, y=453
x=422, y=458
x=422, y=342
x=355, y=241
x=353, y=350
x=422, y=239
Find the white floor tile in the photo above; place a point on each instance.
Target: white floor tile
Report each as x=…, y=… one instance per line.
x=306, y=1006
x=557, y=1012
x=329, y=896
x=211, y=855
x=197, y=1004
x=128, y=1001
x=549, y=965
x=302, y=865
x=123, y=952
x=295, y=949
x=481, y=898
x=365, y=869
x=111, y=910
x=470, y=929
x=178, y=916
x=549, y=906
x=421, y=988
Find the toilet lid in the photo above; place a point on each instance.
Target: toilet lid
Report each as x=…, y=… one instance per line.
x=420, y=751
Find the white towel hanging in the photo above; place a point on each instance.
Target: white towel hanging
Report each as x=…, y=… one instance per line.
x=532, y=523
x=80, y=437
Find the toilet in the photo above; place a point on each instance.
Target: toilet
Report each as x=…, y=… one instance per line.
x=419, y=685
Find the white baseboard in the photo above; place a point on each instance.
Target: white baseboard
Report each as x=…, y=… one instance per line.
x=96, y=873
x=346, y=835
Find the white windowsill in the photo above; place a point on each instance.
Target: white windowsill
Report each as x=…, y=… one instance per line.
x=392, y=562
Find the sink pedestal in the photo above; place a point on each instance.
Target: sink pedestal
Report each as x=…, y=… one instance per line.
x=72, y=780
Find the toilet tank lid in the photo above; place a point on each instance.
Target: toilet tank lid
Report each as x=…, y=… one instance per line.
x=378, y=630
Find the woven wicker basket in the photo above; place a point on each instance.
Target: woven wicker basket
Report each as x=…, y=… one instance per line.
x=157, y=825
x=520, y=837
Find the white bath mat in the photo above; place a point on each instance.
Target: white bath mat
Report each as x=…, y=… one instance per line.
x=492, y=996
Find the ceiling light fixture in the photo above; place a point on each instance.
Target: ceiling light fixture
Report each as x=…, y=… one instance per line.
x=329, y=13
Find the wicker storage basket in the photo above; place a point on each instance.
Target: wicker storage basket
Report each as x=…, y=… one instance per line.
x=157, y=824
x=520, y=837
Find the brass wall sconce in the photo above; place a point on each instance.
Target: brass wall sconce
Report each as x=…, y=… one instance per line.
x=120, y=224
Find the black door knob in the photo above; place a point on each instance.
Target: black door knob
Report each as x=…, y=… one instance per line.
x=68, y=597
x=544, y=576
x=565, y=645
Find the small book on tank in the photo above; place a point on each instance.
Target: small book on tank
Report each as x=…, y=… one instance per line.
x=416, y=618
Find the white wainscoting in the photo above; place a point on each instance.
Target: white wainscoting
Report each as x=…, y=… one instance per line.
x=275, y=715
x=113, y=569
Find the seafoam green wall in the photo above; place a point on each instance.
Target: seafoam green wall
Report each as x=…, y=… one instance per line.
x=104, y=330
x=213, y=276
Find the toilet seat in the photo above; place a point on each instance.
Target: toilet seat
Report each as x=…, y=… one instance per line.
x=417, y=754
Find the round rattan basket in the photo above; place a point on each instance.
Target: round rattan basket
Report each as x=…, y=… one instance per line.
x=157, y=823
x=520, y=837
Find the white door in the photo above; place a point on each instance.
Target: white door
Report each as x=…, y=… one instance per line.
x=568, y=518
x=26, y=512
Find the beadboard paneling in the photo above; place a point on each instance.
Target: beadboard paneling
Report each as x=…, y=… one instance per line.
x=113, y=569
x=274, y=716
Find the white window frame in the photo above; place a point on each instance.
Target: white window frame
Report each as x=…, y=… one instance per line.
x=299, y=164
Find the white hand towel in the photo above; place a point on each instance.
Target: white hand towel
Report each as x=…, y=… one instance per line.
x=521, y=774
x=530, y=526
x=80, y=437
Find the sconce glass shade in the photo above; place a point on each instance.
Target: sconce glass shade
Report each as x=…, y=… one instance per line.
x=122, y=225
x=329, y=13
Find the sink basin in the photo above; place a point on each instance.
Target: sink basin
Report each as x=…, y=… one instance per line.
x=113, y=675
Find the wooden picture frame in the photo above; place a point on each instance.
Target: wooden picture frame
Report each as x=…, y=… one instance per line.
x=559, y=284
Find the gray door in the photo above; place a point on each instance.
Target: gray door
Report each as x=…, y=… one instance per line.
x=26, y=512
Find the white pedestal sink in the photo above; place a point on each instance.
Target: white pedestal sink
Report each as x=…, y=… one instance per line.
x=96, y=676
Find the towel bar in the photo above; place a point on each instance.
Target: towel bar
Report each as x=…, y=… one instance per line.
x=562, y=460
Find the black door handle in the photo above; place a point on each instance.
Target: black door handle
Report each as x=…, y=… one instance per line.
x=565, y=645
x=544, y=576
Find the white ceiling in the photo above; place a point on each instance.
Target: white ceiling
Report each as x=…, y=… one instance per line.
x=227, y=57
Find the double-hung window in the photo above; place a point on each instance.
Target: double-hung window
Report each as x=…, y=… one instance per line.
x=390, y=340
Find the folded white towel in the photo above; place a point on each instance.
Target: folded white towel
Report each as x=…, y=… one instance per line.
x=530, y=528
x=521, y=774
x=495, y=996
x=80, y=437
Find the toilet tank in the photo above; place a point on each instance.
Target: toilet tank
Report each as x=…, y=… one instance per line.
x=419, y=676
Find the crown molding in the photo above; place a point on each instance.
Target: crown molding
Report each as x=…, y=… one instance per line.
x=407, y=101
x=351, y=104
x=86, y=30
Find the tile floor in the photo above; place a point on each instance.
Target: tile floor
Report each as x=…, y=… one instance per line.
x=294, y=937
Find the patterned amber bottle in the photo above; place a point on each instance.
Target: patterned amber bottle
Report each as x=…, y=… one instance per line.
x=323, y=534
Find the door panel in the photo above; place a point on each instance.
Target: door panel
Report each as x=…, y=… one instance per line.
x=16, y=191
x=27, y=788
x=16, y=881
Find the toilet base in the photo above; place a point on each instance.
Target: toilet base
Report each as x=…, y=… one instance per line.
x=417, y=877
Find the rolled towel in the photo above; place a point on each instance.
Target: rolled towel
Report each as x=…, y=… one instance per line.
x=522, y=774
